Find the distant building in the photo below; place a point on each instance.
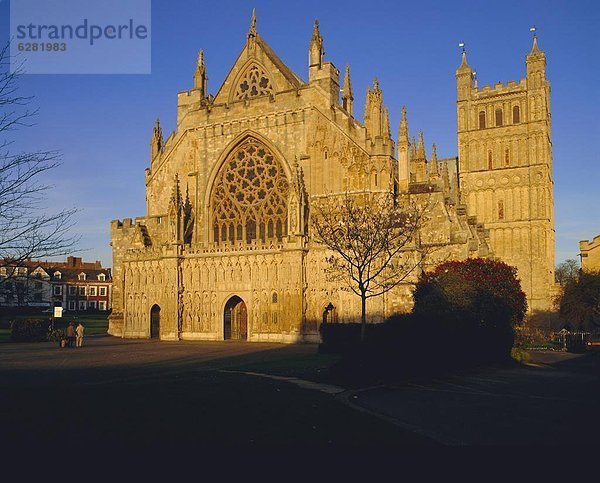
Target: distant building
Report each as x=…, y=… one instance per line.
x=590, y=254
x=75, y=285
x=24, y=285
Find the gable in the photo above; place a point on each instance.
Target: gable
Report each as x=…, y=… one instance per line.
x=256, y=72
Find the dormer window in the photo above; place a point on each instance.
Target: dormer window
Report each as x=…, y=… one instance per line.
x=102, y=277
x=81, y=276
x=57, y=275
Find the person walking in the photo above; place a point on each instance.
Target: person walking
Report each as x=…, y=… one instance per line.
x=70, y=334
x=79, y=331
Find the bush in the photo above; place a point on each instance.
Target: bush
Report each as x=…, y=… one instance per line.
x=55, y=335
x=464, y=315
x=476, y=290
x=520, y=355
x=29, y=330
x=475, y=303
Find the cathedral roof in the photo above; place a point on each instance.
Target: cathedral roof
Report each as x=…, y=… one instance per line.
x=257, y=50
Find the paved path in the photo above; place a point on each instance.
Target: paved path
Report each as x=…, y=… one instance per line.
x=552, y=401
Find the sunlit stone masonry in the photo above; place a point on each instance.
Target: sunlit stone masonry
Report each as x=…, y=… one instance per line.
x=224, y=250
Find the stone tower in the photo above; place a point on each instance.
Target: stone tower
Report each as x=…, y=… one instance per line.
x=505, y=159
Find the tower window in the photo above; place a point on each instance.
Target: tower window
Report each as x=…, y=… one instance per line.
x=516, y=115
x=481, y=120
x=501, y=210
x=498, y=117
x=490, y=160
x=507, y=157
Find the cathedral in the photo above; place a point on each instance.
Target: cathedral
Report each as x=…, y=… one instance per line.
x=224, y=250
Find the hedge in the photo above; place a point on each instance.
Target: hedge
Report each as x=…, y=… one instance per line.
x=29, y=330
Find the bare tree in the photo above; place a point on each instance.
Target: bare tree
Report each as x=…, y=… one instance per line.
x=373, y=241
x=567, y=271
x=27, y=228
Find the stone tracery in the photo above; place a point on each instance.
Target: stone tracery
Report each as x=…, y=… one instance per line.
x=249, y=198
x=255, y=82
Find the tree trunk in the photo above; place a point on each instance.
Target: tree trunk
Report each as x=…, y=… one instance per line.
x=363, y=318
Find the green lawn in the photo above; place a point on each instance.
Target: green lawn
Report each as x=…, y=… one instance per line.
x=314, y=367
x=94, y=324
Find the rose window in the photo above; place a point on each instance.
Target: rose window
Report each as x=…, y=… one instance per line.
x=249, y=199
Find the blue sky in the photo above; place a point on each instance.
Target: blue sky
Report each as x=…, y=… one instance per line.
x=102, y=123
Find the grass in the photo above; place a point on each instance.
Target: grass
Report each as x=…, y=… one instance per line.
x=95, y=324
x=313, y=367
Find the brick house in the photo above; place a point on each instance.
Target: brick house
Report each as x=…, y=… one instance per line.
x=75, y=285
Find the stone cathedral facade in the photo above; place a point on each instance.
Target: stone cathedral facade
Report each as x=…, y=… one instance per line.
x=224, y=250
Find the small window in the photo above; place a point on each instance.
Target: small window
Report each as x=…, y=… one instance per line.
x=516, y=115
x=274, y=298
x=501, y=210
x=250, y=231
x=92, y=291
x=507, y=157
x=102, y=305
x=481, y=119
x=92, y=304
x=71, y=304
x=490, y=160
x=102, y=291
x=498, y=117
x=102, y=277
x=57, y=290
x=82, y=305
x=325, y=154
x=72, y=290
x=57, y=275
x=81, y=276
x=81, y=290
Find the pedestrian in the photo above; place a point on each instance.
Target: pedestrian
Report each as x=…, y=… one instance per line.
x=70, y=334
x=79, y=331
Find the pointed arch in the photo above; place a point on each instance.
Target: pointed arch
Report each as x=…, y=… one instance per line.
x=248, y=188
x=252, y=80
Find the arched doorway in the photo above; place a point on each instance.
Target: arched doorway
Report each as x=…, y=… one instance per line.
x=329, y=314
x=235, y=319
x=155, y=322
